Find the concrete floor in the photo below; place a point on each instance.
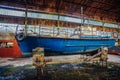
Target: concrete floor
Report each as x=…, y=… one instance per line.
x=25, y=61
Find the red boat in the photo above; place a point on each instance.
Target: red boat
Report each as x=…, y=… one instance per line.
x=114, y=50
x=9, y=48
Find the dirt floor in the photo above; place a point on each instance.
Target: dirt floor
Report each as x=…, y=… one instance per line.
x=22, y=69
x=27, y=61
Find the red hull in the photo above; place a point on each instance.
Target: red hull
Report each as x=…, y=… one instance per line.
x=14, y=51
x=114, y=52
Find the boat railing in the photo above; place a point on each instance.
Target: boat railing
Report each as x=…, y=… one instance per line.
x=68, y=33
x=63, y=32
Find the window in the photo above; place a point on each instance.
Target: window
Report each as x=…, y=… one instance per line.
x=6, y=44
x=53, y=17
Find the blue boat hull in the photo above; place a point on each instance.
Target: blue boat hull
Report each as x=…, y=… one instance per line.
x=63, y=45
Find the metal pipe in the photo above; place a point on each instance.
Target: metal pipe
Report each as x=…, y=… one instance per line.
x=102, y=25
x=82, y=21
x=65, y=61
x=40, y=29
x=81, y=13
x=58, y=25
x=26, y=26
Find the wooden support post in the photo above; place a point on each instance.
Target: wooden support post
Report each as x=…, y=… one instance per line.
x=39, y=62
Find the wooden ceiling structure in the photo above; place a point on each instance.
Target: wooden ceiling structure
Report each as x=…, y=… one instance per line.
x=109, y=10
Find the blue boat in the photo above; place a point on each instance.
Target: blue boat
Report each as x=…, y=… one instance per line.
x=63, y=45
